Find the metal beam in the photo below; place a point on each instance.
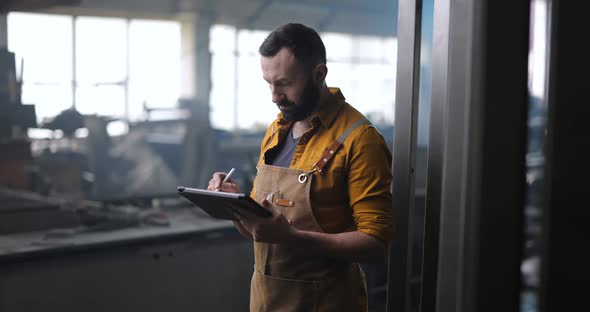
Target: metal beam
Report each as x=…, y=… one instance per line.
x=453, y=88
x=435, y=155
x=404, y=154
x=327, y=20
x=250, y=20
x=377, y=9
x=332, y=11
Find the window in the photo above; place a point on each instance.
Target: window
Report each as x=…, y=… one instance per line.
x=43, y=48
x=362, y=66
x=105, y=66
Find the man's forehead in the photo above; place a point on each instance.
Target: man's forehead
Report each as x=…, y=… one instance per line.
x=281, y=64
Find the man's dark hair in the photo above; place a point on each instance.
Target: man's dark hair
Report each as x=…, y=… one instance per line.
x=304, y=42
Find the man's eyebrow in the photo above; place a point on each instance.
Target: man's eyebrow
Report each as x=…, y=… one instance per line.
x=281, y=80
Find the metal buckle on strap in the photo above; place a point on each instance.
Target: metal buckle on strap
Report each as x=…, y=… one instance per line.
x=303, y=177
x=329, y=153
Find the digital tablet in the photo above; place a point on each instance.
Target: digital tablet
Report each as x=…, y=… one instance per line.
x=221, y=205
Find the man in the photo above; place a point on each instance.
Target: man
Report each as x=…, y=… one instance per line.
x=324, y=173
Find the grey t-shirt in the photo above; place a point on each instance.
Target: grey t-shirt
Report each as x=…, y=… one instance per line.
x=285, y=151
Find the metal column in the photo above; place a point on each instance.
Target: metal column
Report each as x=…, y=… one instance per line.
x=199, y=148
x=3, y=30
x=404, y=153
x=483, y=181
x=564, y=256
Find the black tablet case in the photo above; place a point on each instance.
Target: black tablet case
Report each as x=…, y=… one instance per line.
x=221, y=205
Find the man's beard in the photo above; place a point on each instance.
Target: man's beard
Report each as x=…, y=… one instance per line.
x=307, y=103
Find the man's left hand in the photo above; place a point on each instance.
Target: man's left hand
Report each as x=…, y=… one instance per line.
x=353, y=246
x=274, y=229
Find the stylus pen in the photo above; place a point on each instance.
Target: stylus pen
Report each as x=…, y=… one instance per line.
x=227, y=176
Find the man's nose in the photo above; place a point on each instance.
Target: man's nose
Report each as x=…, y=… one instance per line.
x=276, y=95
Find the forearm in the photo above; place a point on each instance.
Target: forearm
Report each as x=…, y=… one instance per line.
x=352, y=246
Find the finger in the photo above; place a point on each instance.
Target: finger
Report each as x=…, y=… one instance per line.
x=230, y=187
x=225, y=186
x=222, y=176
x=230, y=180
x=212, y=185
x=219, y=175
x=213, y=182
x=217, y=179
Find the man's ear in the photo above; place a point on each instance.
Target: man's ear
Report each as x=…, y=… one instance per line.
x=319, y=74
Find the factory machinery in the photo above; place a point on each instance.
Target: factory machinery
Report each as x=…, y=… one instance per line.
x=94, y=224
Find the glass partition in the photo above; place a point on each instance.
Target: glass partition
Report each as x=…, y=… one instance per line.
x=535, y=155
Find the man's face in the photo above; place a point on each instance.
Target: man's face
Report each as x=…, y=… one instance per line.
x=293, y=89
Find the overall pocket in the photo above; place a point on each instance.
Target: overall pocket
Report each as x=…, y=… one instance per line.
x=277, y=294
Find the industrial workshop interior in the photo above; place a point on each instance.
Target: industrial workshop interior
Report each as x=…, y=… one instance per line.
x=107, y=107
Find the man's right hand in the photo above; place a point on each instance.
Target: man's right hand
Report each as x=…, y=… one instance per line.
x=229, y=186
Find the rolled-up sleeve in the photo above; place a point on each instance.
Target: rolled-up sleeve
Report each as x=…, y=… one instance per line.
x=369, y=184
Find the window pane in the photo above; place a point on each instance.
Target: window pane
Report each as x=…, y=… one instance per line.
x=154, y=65
x=222, y=39
x=371, y=81
x=49, y=100
x=45, y=43
x=223, y=87
x=391, y=45
x=340, y=75
x=338, y=46
x=370, y=48
x=255, y=108
x=250, y=40
x=535, y=157
x=102, y=100
x=100, y=50
x=222, y=108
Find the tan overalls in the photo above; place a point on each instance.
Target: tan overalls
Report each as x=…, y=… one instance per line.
x=287, y=278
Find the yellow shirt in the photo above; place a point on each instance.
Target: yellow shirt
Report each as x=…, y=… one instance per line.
x=353, y=192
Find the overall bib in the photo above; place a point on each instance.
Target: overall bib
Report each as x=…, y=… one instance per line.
x=288, y=278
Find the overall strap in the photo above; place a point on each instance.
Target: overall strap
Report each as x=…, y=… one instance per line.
x=329, y=153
